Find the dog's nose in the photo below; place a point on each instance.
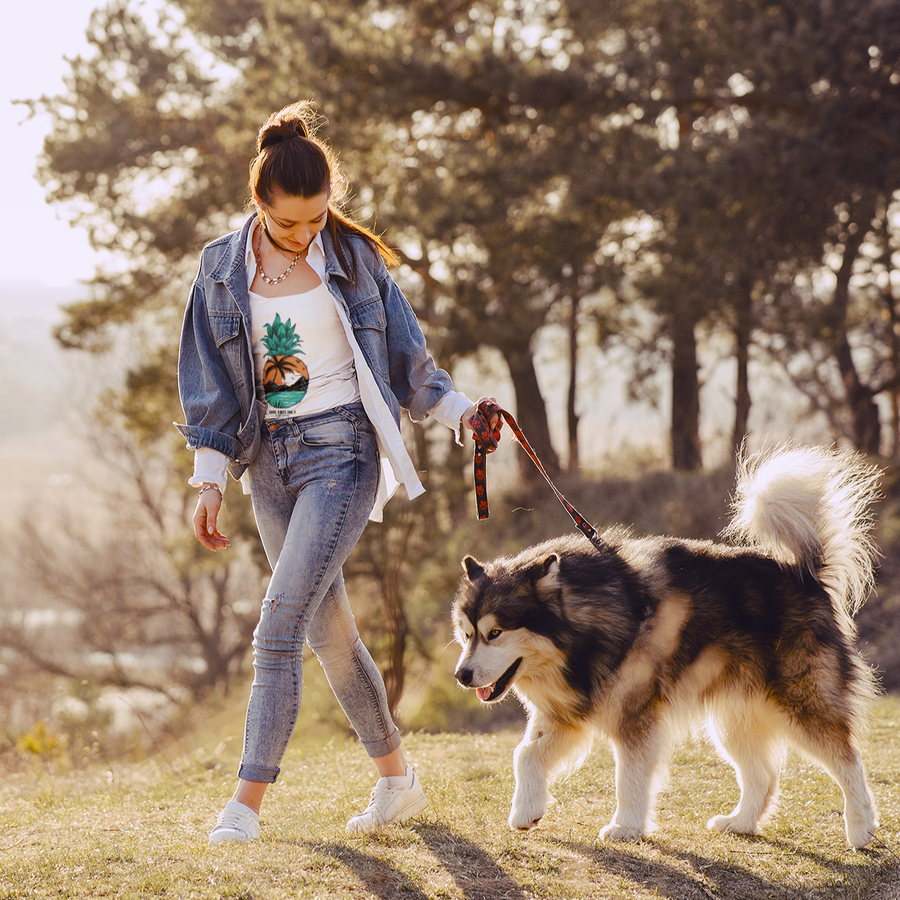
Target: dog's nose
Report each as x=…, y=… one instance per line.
x=464, y=677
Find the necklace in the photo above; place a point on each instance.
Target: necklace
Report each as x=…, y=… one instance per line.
x=259, y=265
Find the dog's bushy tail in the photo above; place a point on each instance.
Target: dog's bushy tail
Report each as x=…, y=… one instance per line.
x=809, y=508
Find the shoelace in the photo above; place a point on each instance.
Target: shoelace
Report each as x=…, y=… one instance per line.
x=383, y=790
x=231, y=818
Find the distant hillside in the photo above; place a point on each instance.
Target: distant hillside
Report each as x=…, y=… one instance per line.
x=37, y=375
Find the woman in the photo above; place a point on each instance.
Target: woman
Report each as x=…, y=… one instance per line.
x=297, y=353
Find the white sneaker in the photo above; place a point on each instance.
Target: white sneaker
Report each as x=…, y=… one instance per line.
x=394, y=800
x=236, y=822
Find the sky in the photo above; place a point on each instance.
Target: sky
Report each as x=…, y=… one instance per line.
x=38, y=244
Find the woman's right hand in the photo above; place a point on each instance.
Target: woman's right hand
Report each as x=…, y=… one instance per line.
x=208, y=505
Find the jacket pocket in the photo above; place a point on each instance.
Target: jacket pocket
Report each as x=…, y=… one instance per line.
x=368, y=321
x=225, y=326
x=225, y=329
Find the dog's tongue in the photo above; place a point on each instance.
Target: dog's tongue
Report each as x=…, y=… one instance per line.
x=483, y=693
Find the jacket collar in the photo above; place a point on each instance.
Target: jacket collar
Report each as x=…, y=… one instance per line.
x=332, y=260
x=231, y=261
x=233, y=258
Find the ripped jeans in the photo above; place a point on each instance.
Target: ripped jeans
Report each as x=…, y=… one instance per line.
x=313, y=486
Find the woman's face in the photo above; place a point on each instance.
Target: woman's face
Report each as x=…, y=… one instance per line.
x=294, y=221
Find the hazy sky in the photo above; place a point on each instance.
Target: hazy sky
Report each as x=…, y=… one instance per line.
x=37, y=243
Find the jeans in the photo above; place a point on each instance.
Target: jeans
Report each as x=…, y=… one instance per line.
x=313, y=486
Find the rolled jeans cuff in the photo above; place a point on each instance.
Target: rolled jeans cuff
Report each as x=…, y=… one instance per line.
x=255, y=773
x=377, y=749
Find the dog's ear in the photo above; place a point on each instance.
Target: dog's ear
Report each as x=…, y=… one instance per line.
x=550, y=566
x=474, y=569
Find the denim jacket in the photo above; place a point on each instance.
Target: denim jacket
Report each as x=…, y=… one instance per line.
x=215, y=361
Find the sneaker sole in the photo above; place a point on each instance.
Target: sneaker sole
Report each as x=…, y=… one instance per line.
x=231, y=838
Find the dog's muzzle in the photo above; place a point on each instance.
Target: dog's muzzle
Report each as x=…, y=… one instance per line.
x=489, y=693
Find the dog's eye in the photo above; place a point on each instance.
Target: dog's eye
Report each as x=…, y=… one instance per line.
x=494, y=633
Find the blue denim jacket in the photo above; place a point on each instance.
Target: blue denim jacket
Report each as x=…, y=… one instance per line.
x=215, y=360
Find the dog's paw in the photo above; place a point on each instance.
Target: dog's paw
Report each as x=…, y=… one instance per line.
x=518, y=822
x=732, y=823
x=525, y=814
x=861, y=830
x=614, y=832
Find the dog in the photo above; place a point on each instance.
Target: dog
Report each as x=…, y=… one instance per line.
x=639, y=639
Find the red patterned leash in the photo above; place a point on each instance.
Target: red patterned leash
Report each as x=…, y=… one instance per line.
x=486, y=441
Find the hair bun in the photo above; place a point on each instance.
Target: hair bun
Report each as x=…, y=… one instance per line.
x=275, y=132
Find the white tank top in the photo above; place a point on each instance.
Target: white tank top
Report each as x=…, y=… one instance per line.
x=303, y=360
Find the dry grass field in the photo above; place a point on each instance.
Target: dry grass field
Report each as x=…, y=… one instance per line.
x=140, y=830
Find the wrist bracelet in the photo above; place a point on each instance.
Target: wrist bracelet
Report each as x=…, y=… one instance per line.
x=210, y=487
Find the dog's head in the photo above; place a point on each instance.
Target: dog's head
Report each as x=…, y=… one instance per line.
x=499, y=618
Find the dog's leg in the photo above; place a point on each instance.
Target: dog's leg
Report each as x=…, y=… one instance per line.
x=860, y=816
x=826, y=717
x=746, y=740
x=637, y=763
x=546, y=749
x=843, y=762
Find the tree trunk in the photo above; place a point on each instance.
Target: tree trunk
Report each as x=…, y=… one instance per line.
x=685, y=427
x=863, y=408
x=531, y=413
x=893, y=322
x=398, y=630
x=571, y=414
x=742, y=331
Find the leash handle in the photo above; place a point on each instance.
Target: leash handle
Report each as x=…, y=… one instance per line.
x=486, y=441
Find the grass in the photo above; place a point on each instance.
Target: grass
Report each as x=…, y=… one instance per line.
x=140, y=830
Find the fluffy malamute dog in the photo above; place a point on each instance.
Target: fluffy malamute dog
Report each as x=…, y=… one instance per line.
x=639, y=637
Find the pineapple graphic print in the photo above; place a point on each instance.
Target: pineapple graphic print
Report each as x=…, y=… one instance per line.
x=285, y=377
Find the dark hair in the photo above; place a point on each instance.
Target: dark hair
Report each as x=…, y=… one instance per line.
x=291, y=160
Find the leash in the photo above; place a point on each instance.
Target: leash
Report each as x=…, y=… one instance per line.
x=486, y=441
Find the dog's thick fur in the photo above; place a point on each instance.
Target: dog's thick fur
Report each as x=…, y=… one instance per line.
x=638, y=638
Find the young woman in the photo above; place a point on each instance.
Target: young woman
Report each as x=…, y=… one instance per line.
x=297, y=353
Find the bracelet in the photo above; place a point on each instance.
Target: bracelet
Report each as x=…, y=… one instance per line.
x=210, y=487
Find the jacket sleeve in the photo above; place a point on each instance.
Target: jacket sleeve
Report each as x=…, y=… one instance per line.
x=211, y=410
x=417, y=383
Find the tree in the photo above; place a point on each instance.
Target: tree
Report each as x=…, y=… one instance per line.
x=827, y=100
x=507, y=147
x=502, y=141
x=471, y=153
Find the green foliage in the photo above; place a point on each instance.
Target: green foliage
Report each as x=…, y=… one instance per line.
x=709, y=163
x=693, y=156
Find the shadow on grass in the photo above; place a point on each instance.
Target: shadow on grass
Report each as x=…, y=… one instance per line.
x=683, y=876
x=379, y=877
x=474, y=871
x=712, y=878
